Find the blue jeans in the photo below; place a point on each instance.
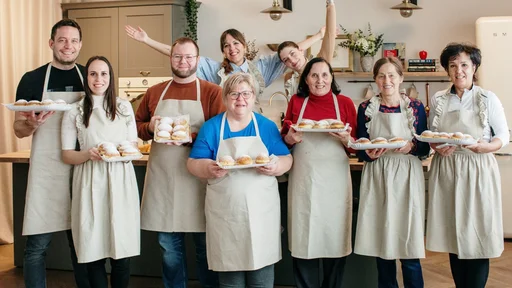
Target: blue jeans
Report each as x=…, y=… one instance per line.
x=469, y=273
x=411, y=273
x=34, y=264
x=119, y=274
x=174, y=261
x=261, y=278
x=307, y=272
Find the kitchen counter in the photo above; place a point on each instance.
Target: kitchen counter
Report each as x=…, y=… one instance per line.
x=24, y=156
x=360, y=271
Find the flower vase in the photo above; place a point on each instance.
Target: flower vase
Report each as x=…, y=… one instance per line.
x=367, y=63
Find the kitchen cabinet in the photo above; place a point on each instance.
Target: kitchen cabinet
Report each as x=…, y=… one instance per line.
x=103, y=33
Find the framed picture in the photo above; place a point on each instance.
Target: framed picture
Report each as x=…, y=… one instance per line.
x=342, y=60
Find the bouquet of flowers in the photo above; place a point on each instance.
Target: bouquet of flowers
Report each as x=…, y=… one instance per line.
x=366, y=45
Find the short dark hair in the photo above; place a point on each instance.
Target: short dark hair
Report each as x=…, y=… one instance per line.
x=303, y=89
x=452, y=51
x=183, y=40
x=385, y=60
x=65, y=22
x=284, y=45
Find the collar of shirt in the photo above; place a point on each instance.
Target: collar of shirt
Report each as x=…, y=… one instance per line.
x=244, y=67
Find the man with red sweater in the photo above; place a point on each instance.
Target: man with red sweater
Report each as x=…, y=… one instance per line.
x=173, y=201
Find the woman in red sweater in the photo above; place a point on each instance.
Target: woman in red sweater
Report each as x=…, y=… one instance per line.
x=319, y=186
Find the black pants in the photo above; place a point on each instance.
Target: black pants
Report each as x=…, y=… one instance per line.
x=307, y=272
x=119, y=274
x=469, y=273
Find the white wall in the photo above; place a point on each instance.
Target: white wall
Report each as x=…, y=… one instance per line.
x=430, y=29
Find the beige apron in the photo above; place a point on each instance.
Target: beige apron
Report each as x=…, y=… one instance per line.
x=464, y=211
x=105, y=217
x=320, y=196
x=48, y=201
x=173, y=199
x=259, y=81
x=390, y=222
x=243, y=228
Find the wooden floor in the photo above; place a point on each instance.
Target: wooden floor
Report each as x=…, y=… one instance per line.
x=436, y=272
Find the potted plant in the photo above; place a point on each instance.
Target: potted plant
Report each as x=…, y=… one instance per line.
x=191, y=15
x=366, y=44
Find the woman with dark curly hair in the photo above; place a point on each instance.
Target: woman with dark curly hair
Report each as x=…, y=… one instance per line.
x=464, y=213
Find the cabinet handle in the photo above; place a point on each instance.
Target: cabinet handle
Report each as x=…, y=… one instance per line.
x=145, y=73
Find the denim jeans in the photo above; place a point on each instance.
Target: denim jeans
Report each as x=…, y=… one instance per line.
x=174, y=260
x=34, y=264
x=469, y=273
x=411, y=273
x=261, y=278
x=119, y=275
x=307, y=272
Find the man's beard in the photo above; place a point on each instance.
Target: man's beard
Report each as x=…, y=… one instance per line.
x=183, y=74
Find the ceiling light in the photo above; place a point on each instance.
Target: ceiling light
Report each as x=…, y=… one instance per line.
x=406, y=8
x=276, y=11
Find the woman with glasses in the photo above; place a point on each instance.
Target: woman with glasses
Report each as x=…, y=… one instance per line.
x=320, y=188
x=243, y=227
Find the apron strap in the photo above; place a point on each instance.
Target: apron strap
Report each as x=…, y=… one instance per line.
x=198, y=92
x=223, y=121
x=302, y=109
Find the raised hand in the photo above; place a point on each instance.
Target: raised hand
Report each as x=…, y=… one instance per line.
x=138, y=34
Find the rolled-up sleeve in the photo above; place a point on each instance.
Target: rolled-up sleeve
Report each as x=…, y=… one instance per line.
x=207, y=70
x=271, y=67
x=497, y=119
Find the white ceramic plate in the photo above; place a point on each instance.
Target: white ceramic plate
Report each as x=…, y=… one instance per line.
x=186, y=140
x=273, y=160
x=296, y=128
x=38, y=108
x=122, y=158
x=357, y=146
x=444, y=140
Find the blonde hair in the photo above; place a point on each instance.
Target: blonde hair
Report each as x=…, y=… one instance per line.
x=235, y=80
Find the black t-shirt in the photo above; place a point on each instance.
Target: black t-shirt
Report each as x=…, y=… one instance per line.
x=32, y=83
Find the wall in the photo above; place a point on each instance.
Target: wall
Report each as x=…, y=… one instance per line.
x=440, y=22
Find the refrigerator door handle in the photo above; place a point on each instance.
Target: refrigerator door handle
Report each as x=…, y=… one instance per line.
x=502, y=154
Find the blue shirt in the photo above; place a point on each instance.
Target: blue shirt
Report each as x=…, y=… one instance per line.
x=207, y=141
x=270, y=67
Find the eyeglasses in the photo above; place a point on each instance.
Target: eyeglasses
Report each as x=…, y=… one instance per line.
x=177, y=58
x=245, y=95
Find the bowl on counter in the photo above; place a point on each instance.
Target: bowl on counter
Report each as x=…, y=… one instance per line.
x=273, y=47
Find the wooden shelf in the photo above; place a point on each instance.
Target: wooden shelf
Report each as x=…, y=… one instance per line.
x=407, y=75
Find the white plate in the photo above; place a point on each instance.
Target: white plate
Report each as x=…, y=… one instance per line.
x=357, y=146
x=273, y=160
x=38, y=108
x=296, y=128
x=122, y=158
x=444, y=140
x=163, y=141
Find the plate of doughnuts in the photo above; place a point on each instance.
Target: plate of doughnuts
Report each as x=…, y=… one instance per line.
x=379, y=142
x=23, y=105
x=457, y=138
x=246, y=161
x=325, y=125
x=124, y=151
x=172, y=130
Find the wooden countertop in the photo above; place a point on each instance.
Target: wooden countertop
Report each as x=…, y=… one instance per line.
x=24, y=156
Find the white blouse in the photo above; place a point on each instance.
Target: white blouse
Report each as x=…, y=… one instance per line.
x=69, y=131
x=495, y=111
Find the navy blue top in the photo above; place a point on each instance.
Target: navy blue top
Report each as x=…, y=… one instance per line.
x=207, y=141
x=421, y=149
